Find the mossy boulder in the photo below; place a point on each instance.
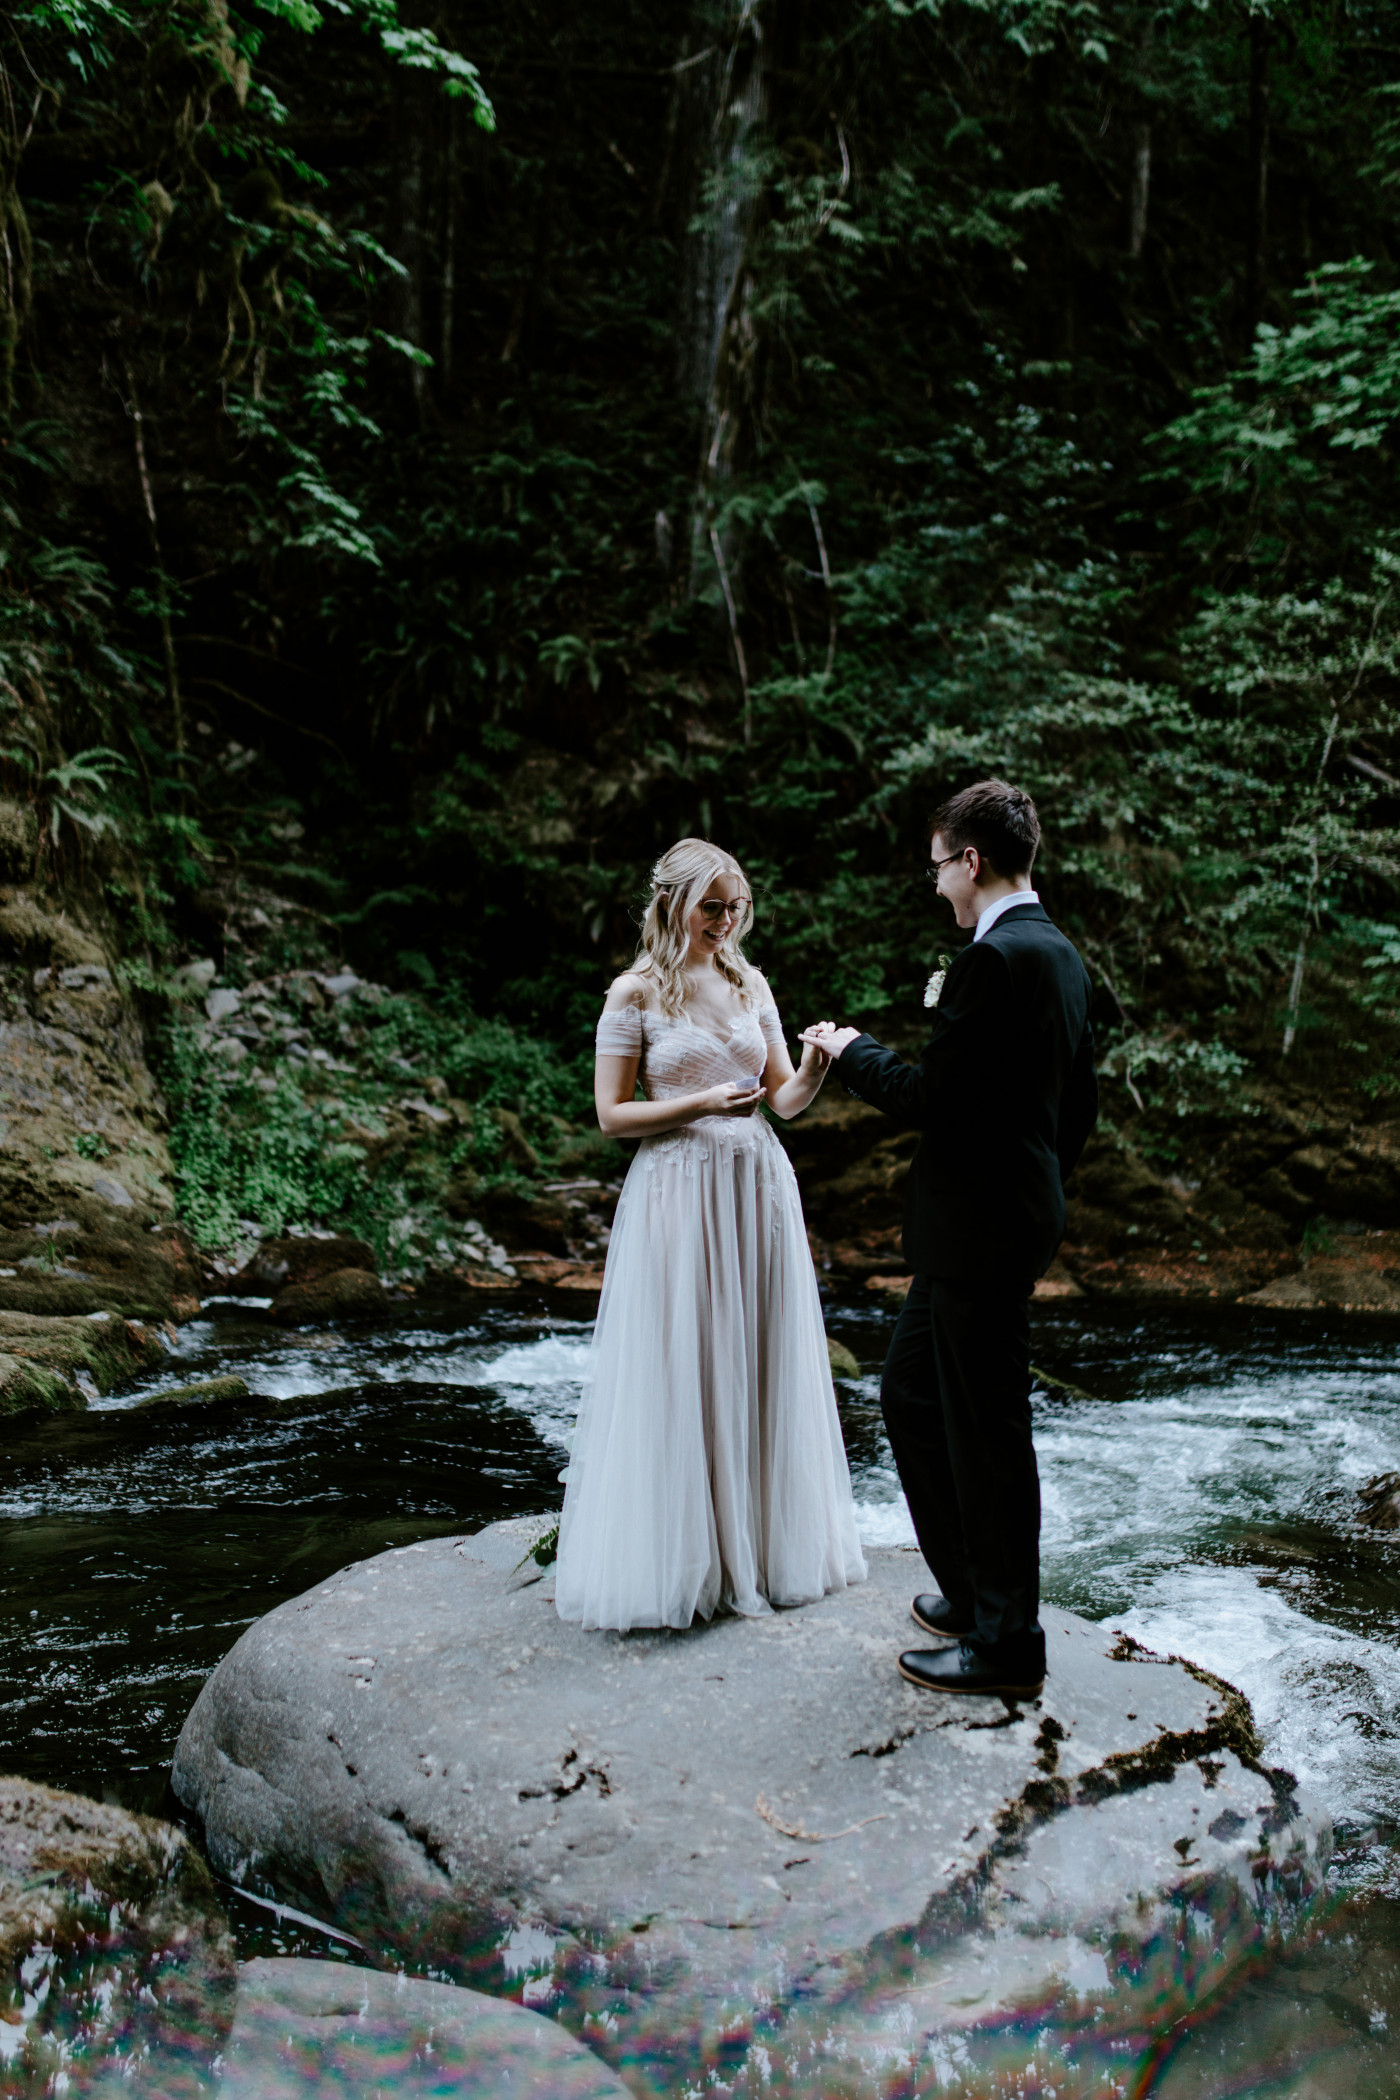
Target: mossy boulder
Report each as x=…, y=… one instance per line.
x=114, y=1950
x=206, y=1392
x=285, y=1264
x=350, y=1294
x=92, y=1260
x=61, y=1363
x=33, y=1389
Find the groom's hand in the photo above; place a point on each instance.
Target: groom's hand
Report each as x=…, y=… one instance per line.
x=828, y=1040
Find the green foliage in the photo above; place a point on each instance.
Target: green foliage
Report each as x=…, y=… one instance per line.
x=430, y=632
x=291, y=1141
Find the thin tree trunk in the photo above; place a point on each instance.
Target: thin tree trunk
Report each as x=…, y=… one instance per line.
x=167, y=632
x=1295, y=989
x=449, y=249
x=411, y=231
x=726, y=98
x=1257, y=270
x=1142, y=177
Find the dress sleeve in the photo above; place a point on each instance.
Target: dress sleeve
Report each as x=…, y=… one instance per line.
x=772, y=1027
x=619, y=1032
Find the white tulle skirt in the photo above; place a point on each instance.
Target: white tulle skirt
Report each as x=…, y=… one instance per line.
x=708, y=1469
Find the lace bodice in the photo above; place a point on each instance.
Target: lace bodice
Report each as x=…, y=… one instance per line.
x=681, y=1057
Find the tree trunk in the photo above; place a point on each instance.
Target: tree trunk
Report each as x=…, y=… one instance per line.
x=723, y=97
x=1142, y=176
x=1256, y=276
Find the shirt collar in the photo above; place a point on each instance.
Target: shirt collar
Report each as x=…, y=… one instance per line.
x=994, y=911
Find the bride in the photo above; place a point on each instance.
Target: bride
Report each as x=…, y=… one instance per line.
x=708, y=1469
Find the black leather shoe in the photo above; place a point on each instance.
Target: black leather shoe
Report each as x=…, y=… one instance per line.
x=937, y=1616
x=961, y=1669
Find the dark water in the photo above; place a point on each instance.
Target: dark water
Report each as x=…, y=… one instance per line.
x=1199, y=1492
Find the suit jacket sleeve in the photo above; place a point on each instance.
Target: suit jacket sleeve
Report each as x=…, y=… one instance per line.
x=968, y=1015
x=1079, y=1109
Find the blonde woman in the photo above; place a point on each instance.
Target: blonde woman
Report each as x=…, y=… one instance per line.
x=708, y=1469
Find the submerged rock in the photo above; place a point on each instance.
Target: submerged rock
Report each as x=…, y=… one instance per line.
x=113, y=1948
x=206, y=1392
x=348, y=1294
x=305, y=2028
x=1380, y=1502
x=758, y=1813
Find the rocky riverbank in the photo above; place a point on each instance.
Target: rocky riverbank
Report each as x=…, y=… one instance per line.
x=345, y=1087
x=751, y=1848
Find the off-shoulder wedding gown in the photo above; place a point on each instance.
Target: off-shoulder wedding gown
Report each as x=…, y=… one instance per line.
x=708, y=1468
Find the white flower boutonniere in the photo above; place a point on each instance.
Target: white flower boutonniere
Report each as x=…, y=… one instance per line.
x=933, y=990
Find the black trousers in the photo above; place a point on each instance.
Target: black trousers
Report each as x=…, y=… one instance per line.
x=956, y=1400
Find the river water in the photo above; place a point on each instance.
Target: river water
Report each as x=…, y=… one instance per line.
x=1200, y=1493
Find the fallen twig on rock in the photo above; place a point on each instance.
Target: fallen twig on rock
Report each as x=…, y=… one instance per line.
x=812, y=1837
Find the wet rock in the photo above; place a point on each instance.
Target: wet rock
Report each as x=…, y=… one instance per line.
x=309, y=2027
x=519, y=1220
x=19, y=839
x=844, y=1362
x=869, y=1193
x=113, y=1949
x=347, y=1294
x=758, y=1812
x=297, y=1260
x=515, y=1146
x=223, y=1004
x=90, y=1355
x=1274, y=1191
x=99, y=1261
x=205, y=1392
x=81, y=1102
x=1380, y=1502
x=28, y=1388
x=1058, y=1282
x=1359, y=1274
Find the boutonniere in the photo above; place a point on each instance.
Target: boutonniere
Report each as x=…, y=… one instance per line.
x=933, y=990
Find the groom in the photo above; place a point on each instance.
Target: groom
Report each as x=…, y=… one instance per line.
x=1005, y=1097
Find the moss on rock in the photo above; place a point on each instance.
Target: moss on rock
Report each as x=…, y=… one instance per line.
x=113, y=1947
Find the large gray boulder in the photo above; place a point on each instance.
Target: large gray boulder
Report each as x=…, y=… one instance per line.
x=750, y=1850
x=308, y=2028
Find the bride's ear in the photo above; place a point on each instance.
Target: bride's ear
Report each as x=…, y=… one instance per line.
x=663, y=901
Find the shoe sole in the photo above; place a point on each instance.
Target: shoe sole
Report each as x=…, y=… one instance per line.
x=975, y=1691
x=938, y=1633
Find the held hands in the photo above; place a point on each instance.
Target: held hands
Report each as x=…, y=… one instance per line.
x=824, y=1040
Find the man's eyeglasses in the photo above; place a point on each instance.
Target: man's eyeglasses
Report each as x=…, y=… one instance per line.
x=935, y=868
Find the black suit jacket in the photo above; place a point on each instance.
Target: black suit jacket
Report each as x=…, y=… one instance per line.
x=1005, y=1097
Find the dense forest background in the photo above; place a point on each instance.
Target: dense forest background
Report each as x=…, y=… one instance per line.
x=449, y=453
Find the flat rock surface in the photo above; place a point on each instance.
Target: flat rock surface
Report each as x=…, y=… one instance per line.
x=305, y=2029
x=662, y=1831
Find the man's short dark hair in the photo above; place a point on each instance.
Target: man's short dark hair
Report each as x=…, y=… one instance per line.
x=996, y=818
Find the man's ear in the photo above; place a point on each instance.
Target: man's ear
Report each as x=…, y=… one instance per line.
x=974, y=862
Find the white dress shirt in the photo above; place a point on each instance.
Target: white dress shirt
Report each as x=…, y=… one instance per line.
x=994, y=911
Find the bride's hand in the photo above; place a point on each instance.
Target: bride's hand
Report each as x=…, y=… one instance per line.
x=731, y=1099
x=827, y=1040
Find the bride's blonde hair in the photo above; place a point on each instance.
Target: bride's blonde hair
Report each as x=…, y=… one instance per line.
x=678, y=882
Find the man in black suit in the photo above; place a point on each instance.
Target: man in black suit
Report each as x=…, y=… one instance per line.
x=1005, y=1097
